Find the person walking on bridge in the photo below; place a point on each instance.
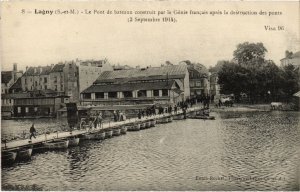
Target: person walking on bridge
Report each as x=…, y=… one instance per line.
x=32, y=131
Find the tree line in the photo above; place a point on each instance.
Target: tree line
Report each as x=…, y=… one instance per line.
x=260, y=79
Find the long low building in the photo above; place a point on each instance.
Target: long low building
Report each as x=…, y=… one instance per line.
x=167, y=84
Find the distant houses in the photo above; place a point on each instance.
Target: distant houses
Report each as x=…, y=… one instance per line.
x=43, y=90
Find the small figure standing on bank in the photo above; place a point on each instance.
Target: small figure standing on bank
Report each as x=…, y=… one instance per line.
x=32, y=131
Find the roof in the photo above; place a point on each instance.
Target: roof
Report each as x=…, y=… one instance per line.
x=130, y=86
x=6, y=76
x=297, y=94
x=17, y=84
x=79, y=108
x=199, y=68
x=295, y=55
x=171, y=72
x=58, y=68
x=31, y=71
x=15, y=95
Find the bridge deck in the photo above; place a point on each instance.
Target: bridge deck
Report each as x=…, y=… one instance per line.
x=60, y=135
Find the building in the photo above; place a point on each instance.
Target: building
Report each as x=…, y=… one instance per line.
x=7, y=103
x=198, y=77
x=90, y=70
x=38, y=103
x=36, y=78
x=291, y=58
x=8, y=78
x=62, y=78
x=167, y=84
x=214, y=86
x=16, y=87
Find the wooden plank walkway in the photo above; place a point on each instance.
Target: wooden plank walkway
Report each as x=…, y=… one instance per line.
x=61, y=135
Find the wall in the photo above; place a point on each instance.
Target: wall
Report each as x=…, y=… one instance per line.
x=88, y=74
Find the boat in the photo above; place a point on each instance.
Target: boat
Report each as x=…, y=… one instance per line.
x=24, y=154
x=129, y=127
x=163, y=120
x=202, y=117
x=73, y=141
x=100, y=135
x=148, y=124
x=88, y=136
x=178, y=117
x=170, y=119
x=202, y=114
x=152, y=123
x=116, y=132
x=123, y=130
x=58, y=144
x=136, y=127
x=142, y=125
x=108, y=133
x=8, y=157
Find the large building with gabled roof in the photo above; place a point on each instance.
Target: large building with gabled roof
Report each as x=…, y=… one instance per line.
x=166, y=84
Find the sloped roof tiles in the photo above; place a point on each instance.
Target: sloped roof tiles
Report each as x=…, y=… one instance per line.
x=171, y=72
x=130, y=86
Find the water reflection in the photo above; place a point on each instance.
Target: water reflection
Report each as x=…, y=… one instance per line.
x=242, y=151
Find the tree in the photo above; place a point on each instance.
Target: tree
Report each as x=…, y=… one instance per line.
x=217, y=67
x=233, y=79
x=249, y=53
x=291, y=82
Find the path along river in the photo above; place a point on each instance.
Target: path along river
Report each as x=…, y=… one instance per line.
x=237, y=151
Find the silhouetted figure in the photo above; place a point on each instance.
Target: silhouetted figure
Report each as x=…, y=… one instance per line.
x=32, y=131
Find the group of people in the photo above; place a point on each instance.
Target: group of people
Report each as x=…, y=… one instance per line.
x=119, y=116
x=92, y=121
x=154, y=110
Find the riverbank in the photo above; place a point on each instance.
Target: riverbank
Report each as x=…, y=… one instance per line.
x=243, y=108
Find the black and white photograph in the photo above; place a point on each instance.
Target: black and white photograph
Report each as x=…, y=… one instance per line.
x=150, y=95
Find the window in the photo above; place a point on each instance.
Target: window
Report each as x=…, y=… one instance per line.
x=45, y=79
x=99, y=95
x=112, y=94
x=19, y=109
x=45, y=86
x=86, y=96
x=55, y=88
x=156, y=93
x=198, y=83
x=61, y=87
x=165, y=92
x=127, y=94
x=25, y=80
x=142, y=93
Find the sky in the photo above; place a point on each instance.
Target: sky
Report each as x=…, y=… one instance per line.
x=39, y=40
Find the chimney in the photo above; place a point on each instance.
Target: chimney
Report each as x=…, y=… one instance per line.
x=15, y=69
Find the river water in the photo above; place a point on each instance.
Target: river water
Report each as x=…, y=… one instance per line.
x=237, y=151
